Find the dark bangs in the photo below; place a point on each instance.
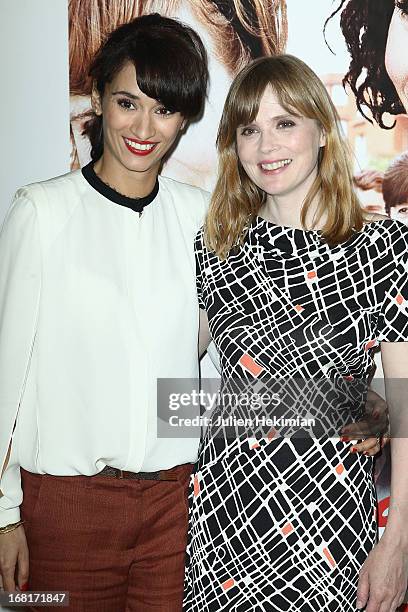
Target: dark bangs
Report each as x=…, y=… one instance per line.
x=169, y=57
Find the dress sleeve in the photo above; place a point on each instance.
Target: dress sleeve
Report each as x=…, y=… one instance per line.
x=198, y=253
x=393, y=319
x=20, y=283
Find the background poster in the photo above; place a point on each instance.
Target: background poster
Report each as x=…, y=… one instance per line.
x=237, y=31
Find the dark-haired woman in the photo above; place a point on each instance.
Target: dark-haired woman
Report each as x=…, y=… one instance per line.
x=298, y=287
x=376, y=34
x=97, y=302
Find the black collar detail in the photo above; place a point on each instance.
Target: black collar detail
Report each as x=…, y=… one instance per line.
x=136, y=204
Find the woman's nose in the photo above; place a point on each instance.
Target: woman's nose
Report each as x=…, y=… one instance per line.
x=143, y=126
x=269, y=142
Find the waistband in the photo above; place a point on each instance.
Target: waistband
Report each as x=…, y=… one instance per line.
x=166, y=475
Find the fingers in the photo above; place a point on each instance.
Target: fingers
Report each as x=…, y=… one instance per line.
x=396, y=603
x=23, y=567
x=13, y=555
x=384, y=441
x=384, y=599
x=370, y=446
x=376, y=605
x=387, y=605
x=370, y=426
x=8, y=577
x=362, y=429
x=362, y=591
x=352, y=433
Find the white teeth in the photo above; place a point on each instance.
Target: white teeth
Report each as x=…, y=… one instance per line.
x=276, y=165
x=139, y=147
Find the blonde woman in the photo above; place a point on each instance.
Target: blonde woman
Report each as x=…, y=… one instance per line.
x=296, y=285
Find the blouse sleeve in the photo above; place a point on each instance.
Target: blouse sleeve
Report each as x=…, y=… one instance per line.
x=393, y=319
x=20, y=281
x=198, y=252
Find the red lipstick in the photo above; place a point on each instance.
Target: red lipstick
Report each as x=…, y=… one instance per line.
x=140, y=152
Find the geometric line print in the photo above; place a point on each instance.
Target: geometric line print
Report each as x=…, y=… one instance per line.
x=284, y=523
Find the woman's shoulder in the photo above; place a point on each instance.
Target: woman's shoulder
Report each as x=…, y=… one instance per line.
x=393, y=232
x=190, y=201
x=62, y=185
x=50, y=202
x=184, y=192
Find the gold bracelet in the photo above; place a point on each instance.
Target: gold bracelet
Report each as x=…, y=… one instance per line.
x=10, y=527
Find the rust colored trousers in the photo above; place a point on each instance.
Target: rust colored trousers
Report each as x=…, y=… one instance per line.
x=116, y=545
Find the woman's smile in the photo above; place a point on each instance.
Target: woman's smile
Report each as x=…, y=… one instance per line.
x=274, y=167
x=138, y=147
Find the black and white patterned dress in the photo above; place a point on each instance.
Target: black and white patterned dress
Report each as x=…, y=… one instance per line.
x=281, y=522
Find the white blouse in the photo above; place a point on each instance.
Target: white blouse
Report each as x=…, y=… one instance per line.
x=96, y=303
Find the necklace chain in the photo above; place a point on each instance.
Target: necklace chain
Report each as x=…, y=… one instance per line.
x=118, y=192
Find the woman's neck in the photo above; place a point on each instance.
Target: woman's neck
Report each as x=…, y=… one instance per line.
x=289, y=215
x=130, y=183
x=286, y=209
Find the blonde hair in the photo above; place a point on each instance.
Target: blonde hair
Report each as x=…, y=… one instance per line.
x=236, y=199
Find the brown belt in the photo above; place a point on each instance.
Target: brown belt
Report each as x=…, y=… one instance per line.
x=116, y=473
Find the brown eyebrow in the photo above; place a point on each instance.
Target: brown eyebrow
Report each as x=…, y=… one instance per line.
x=126, y=93
x=287, y=116
x=276, y=118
